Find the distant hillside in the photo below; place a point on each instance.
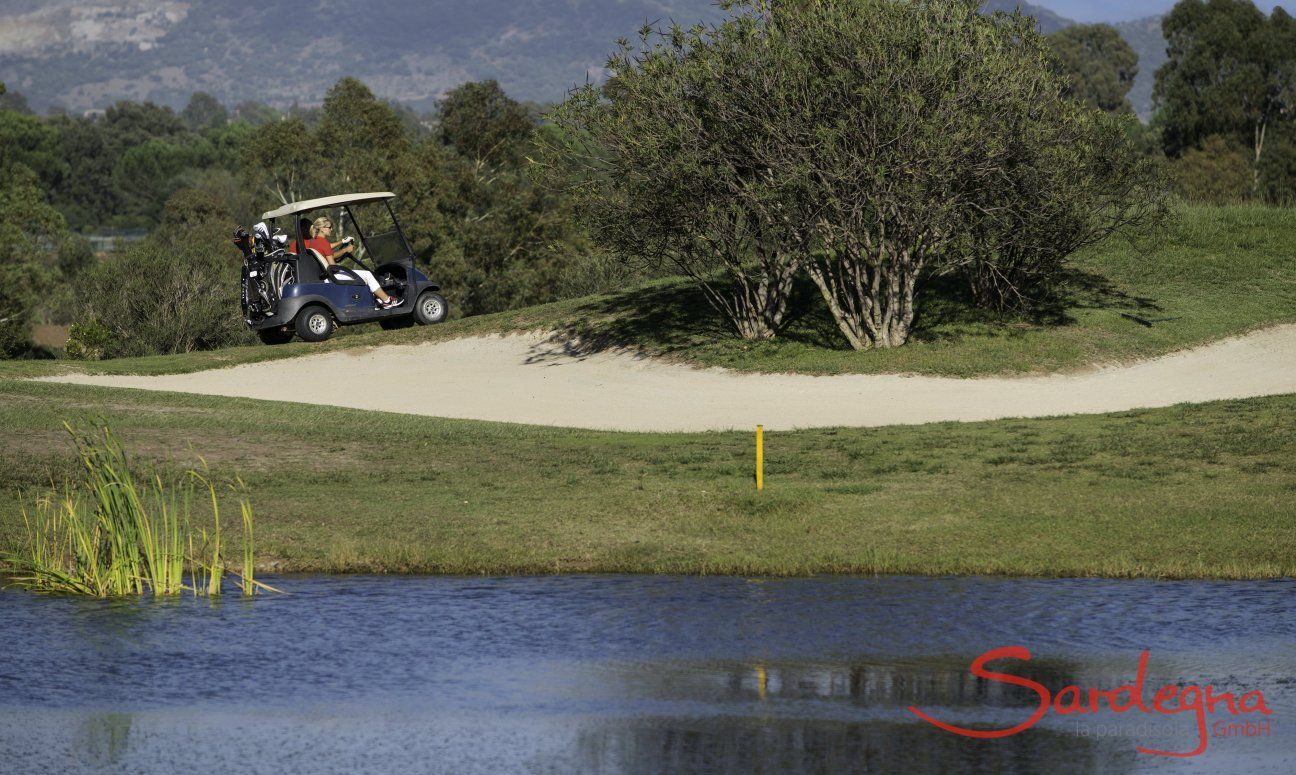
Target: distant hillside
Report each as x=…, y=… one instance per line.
x=85, y=54
x=89, y=53
x=1143, y=35
x=1048, y=21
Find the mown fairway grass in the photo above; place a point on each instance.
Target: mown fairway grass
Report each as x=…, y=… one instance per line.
x=1206, y=491
x=1202, y=491
x=1215, y=273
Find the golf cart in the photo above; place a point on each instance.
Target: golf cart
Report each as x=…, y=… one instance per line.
x=291, y=288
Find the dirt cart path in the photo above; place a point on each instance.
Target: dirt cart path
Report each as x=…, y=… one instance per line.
x=528, y=379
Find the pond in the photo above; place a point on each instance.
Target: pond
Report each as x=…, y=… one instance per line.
x=636, y=674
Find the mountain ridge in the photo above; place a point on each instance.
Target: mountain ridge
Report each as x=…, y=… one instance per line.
x=87, y=54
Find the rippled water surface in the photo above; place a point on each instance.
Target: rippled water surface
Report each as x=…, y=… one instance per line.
x=633, y=674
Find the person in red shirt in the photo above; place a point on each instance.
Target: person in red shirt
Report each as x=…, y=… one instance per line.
x=313, y=240
x=321, y=231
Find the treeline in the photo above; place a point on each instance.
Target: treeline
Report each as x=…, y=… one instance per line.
x=499, y=236
x=115, y=170
x=492, y=237
x=1225, y=102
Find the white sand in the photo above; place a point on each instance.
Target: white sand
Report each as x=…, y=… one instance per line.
x=528, y=379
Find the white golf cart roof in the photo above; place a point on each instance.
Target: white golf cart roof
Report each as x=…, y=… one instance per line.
x=328, y=201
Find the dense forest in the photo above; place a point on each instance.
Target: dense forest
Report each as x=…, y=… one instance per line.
x=482, y=222
x=478, y=220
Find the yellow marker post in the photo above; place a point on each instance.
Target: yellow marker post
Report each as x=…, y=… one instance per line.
x=760, y=457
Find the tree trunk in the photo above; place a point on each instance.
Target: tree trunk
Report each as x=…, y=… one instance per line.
x=1260, y=130
x=757, y=306
x=871, y=298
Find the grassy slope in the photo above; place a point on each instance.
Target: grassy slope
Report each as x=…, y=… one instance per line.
x=1217, y=273
x=1188, y=491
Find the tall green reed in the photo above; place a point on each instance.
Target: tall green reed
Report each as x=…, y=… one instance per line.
x=111, y=537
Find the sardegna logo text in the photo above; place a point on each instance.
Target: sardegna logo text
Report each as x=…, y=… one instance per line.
x=1169, y=700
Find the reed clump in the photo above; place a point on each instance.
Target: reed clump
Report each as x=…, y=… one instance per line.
x=111, y=536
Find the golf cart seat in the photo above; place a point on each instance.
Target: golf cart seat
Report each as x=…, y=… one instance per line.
x=312, y=268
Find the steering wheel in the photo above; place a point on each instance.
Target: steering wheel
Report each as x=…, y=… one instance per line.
x=357, y=254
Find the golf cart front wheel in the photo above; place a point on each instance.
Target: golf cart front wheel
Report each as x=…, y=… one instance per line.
x=431, y=308
x=315, y=324
x=275, y=335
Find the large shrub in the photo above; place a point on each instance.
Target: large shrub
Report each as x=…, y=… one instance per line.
x=177, y=291
x=877, y=143
x=681, y=160
x=1219, y=172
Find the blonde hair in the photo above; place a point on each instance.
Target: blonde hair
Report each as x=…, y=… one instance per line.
x=317, y=227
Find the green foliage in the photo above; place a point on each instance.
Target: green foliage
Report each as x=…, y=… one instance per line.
x=88, y=341
x=29, y=228
x=121, y=168
x=357, y=145
x=112, y=537
x=482, y=227
x=877, y=142
x=284, y=159
x=118, y=171
x=483, y=123
x=360, y=139
x=1064, y=181
x=679, y=160
x=504, y=242
x=256, y=113
x=27, y=140
x=75, y=256
x=131, y=123
x=87, y=194
x=145, y=175
x=204, y=112
x=1231, y=72
x=1097, y=64
x=177, y=291
x=12, y=100
x=1277, y=167
x=1218, y=172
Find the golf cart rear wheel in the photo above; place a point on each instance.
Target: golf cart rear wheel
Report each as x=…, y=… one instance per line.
x=315, y=324
x=431, y=308
x=275, y=335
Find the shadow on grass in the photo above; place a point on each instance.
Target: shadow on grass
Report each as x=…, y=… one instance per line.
x=947, y=312
x=670, y=316
x=674, y=316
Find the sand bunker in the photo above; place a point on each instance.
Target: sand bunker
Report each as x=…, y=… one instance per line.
x=531, y=379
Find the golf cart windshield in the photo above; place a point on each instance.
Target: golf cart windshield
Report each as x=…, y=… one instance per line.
x=374, y=225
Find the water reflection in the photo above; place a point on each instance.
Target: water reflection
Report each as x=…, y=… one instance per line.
x=924, y=681
x=625, y=674
x=102, y=739
x=740, y=745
